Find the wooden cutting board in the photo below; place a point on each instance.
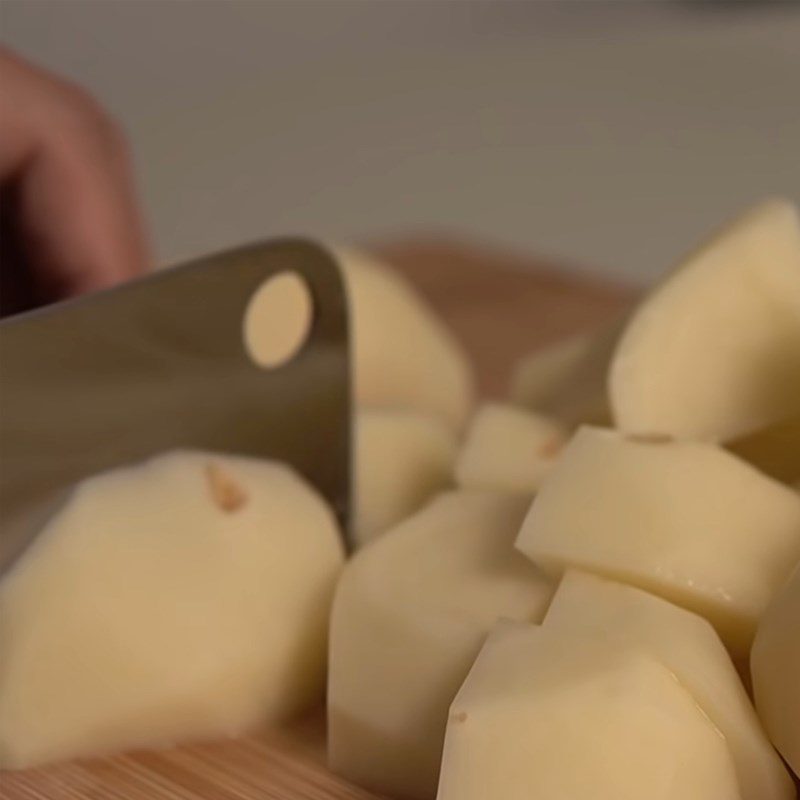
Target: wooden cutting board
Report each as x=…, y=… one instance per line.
x=501, y=306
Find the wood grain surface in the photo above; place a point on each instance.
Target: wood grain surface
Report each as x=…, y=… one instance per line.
x=501, y=306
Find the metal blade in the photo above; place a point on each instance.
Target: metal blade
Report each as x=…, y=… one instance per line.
x=158, y=364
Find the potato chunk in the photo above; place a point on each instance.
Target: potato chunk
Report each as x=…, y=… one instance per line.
x=552, y=715
x=775, y=664
x=567, y=380
x=402, y=459
x=410, y=614
x=714, y=352
x=685, y=520
x=690, y=648
x=404, y=356
x=185, y=597
x=508, y=449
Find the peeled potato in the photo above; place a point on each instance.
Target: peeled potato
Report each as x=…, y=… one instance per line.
x=538, y=374
x=555, y=715
x=185, y=597
x=714, y=352
x=410, y=614
x=508, y=449
x=775, y=665
x=689, y=647
x=404, y=356
x=567, y=380
x=685, y=520
x=401, y=459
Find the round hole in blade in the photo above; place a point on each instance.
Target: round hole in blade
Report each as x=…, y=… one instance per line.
x=278, y=320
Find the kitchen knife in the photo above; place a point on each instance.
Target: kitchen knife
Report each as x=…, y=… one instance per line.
x=160, y=363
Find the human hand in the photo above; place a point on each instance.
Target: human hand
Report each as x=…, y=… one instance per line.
x=68, y=212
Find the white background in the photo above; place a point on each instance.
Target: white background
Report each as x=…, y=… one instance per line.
x=607, y=134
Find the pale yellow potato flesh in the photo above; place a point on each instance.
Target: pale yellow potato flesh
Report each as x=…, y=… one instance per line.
x=403, y=354
x=567, y=380
x=690, y=648
x=186, y=597
x=684, y=520
x=538, y=375
x=552, y=715
x=714, y=352
x=402, y=458
x=508, y=449
x=411, y=612
x=775, y=666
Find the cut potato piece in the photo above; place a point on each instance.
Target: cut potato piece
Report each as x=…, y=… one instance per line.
x=551, y=715
x=539, y=374
x=714, y=352
x=402, y=458
x=774, y=450
x=567, y=380
x=183, y=598
x=507, y=449
x=685, y=520
x=775, y=665
x=403, y=355
x=690, y=648
x=410, y=615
